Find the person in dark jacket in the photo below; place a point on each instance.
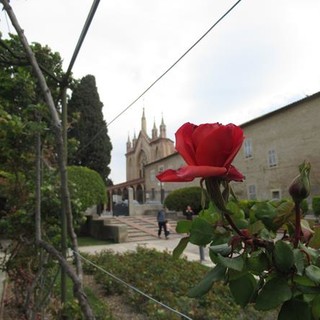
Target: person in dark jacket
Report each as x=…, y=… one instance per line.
x=161, y=218
x=189, y=213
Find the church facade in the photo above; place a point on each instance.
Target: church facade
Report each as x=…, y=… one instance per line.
x=146, y=156
x=275, y=145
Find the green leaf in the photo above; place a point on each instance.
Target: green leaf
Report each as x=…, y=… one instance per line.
x=283, y=256
x=178, y=250
x=241, y=223
x=303, y=281
x=215, y=274
x=316, y=307
x=314, y=254
x=236, y=211
x=295, y=310
x=315, y=240
x=183, y=226
x=201, y=232
x=256, y=227
x=284, y=214
x=223, y=249
x=299, y=259
x=231, y=263
x=313, y=273
x=305, y=285
x=264, y=210
x=243, y=289
x=272, y=294
x=257, y=263
x=285, y=208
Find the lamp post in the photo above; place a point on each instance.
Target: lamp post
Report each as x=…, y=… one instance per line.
x=161, y=193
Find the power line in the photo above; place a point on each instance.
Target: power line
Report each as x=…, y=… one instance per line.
x=174, y=64
x=158, y=79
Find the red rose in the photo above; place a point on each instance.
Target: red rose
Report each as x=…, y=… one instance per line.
x=208, y=150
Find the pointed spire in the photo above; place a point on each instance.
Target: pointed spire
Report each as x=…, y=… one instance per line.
x=154, y=130
x=163, y=133
x=134, y=140
x=143, y=122
x=128, y=143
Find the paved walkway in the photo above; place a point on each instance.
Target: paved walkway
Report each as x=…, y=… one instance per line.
x=192, y=252
x=143, y=231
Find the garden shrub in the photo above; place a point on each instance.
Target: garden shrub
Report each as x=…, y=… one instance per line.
x=167, y=280
x=179, y=199
x=316, y=205
x=86, y=186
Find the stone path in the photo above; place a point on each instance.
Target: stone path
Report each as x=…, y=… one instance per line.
x=143, y=228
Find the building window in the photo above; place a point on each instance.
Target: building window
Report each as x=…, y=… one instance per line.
x=252, y=192
x=272, y=158
x=248, y=148
x=275, y=194
x=152, y=175
x=153, y=194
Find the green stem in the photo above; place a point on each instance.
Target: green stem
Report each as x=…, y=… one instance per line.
x=213, y=188
x=232, y=224
x=297, y=233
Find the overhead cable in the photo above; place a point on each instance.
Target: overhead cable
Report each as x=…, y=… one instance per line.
x=183, y=316
x=174, y=64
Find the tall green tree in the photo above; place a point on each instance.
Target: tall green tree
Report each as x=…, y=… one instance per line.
x=89, y=129
x=23, y=111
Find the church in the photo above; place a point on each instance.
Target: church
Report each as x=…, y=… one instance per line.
x=275, y=145
x=146, y=156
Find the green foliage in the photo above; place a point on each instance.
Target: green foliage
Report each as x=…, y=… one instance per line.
x=89, y=128
x=169, y=281
x=262, y=268
x=72, y=310
x=304, y=206
x=316, y=205
x=179, y=199
x=86, y=187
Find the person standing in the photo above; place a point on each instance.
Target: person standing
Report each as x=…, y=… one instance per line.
x=161, y=218
x=189, y=213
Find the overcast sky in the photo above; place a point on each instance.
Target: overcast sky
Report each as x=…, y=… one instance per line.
x=263, y=55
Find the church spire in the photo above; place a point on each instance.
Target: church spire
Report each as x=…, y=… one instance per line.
x=143, y=122
x=134, y=140
x=128, y=143
x=154, y=130
x=163, y=133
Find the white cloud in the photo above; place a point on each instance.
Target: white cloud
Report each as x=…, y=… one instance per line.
x=260, y=57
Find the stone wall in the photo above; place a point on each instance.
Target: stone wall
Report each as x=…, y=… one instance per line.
x=103, y=229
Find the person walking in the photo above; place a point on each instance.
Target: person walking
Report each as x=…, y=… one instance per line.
x=161, y=218
x=189, y=213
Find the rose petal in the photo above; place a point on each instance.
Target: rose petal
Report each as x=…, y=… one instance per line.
x=184, y=144
x=234, y=175
x=171, y=176
x=201, y=171
x=219, y=146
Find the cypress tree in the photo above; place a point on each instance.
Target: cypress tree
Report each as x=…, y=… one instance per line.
x=90, y=129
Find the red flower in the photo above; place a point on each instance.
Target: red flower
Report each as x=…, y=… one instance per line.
x=208, y=150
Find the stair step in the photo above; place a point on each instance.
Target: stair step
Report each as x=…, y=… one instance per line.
x=142, y=228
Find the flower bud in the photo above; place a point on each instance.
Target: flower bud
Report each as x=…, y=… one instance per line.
x=300, y=186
